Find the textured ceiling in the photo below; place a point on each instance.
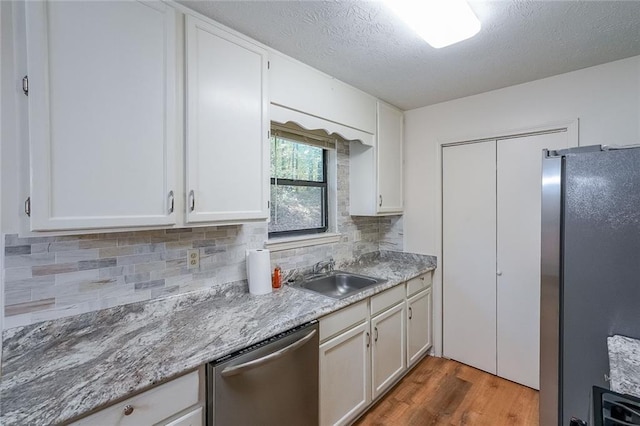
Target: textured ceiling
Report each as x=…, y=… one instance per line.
x=363, y=44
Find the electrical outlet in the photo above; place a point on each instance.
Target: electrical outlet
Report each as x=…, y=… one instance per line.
x=357, y=236
x=193, y=258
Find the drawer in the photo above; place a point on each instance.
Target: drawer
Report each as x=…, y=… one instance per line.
x=417, y=284
x=342, y=320
x=151, y=406
x=386, y=299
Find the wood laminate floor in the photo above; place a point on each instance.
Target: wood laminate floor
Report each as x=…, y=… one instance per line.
x=443, y=392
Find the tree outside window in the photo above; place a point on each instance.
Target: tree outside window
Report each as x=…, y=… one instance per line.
x=298, y=188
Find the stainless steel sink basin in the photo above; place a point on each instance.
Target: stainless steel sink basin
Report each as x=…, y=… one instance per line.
x=338, y=284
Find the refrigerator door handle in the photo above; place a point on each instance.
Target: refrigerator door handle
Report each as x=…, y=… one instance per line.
x=550, y=365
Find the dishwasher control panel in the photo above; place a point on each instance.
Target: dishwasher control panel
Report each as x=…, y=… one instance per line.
x=264, y=342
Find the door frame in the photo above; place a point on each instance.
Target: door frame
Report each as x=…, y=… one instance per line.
x=571, y=126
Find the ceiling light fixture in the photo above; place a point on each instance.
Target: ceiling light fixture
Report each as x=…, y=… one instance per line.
x=440, y=22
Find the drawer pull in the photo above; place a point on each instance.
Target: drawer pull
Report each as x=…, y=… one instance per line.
x=128, y=409
x=421, y=278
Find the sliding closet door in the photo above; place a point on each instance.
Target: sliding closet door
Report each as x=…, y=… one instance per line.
x=469, y=254
x=518, y=254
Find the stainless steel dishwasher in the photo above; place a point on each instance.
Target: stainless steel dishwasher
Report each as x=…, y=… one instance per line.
x=274, y=382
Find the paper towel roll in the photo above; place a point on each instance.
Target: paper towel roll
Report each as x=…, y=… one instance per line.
x=259, y=271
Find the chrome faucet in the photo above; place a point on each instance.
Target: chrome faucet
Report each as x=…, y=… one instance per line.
x=329, y=264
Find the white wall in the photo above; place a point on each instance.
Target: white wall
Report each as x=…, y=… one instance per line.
x=605, y=98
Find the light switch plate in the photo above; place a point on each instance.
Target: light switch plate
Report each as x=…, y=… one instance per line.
x=193, y=258
x=357, y=236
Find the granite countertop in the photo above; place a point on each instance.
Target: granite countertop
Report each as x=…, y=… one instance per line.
x=56, y=370
x=624, y=364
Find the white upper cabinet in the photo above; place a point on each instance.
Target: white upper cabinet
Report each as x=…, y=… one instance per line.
x=301, y=88
x=112, y=145
x=227, y=126
x=389, y=159
x=376, y=172
x=101, y=114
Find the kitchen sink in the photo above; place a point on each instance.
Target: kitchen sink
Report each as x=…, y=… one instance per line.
x=337, y=284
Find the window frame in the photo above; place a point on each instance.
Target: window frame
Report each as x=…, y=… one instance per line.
x=304, y=183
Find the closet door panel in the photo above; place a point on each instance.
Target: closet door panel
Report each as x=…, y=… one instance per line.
x=519, y=169
x=469, y=254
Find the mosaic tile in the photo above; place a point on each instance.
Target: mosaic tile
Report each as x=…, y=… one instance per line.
x=27, y=307
x=14, y=250
x=149, y=285
x=53, y=269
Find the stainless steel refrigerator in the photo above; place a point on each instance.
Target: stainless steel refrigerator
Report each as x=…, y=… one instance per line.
x=590, y=272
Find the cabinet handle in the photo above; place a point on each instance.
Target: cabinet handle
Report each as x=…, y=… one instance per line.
x=410, y=312
x=422, y=278
x=192, y=200
x=380, y=205
x=171, y=202
x=368, y=339
x=27, y=206
x=128, y=409
x=376, y=330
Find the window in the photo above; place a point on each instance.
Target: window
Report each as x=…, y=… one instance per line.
x=298, y=187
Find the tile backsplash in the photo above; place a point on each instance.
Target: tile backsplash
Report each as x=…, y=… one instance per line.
x=52, y=277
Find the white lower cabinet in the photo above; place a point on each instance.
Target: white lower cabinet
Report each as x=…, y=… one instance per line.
x=344, y=376
x=175, y=403
x=388, y=359
x=419, y=334
x=364, y=348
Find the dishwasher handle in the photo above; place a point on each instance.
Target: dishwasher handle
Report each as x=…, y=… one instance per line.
x=241, y=368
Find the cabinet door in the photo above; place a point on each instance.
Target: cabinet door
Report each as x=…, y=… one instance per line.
x=389, y=159
x=101, y=113
x=345, y=388
x=192, y=418
x=388, y=357
x=418, y=326
x=518, y=255
x=469, y=253
x=227, y=126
